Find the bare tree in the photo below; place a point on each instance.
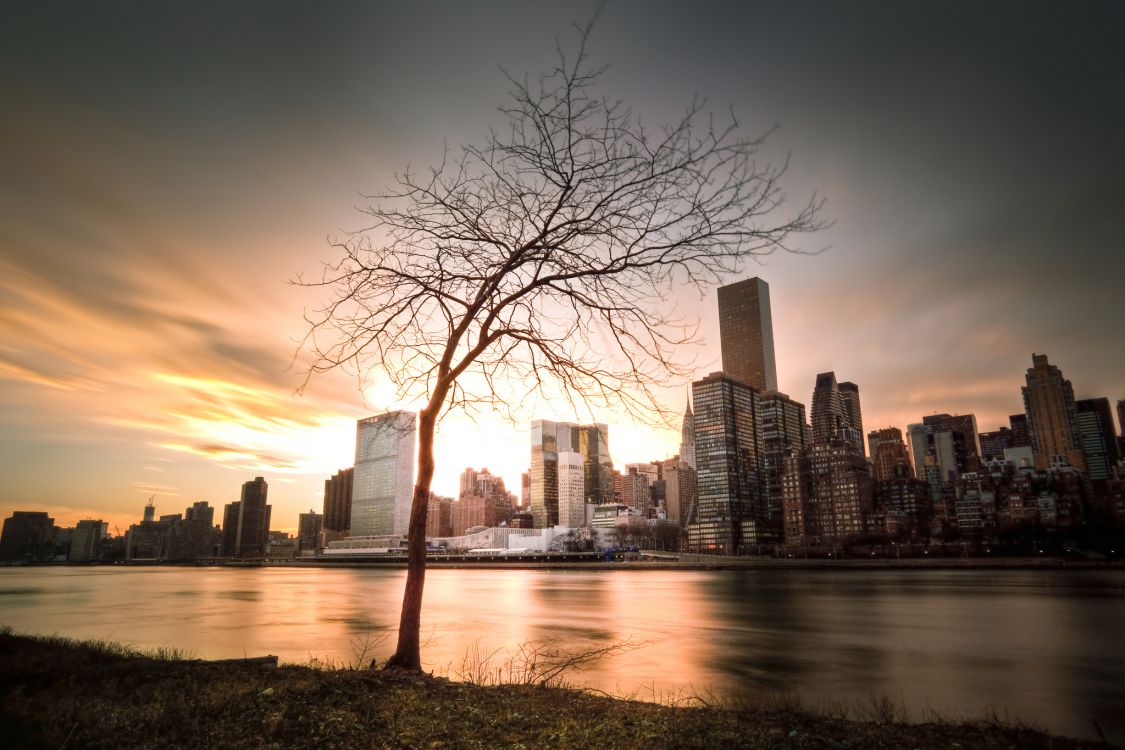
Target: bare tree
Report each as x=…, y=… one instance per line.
x=540, y=262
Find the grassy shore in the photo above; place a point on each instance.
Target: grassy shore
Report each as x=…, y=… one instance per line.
x=57, y=693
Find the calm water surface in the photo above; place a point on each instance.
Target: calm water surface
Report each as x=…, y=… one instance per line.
x=1046, y=647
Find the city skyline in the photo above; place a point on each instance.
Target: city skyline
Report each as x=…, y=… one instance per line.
x=147, y=327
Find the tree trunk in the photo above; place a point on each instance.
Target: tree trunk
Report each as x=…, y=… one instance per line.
x=408, y=654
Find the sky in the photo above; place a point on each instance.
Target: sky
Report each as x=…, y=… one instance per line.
x=167, y=169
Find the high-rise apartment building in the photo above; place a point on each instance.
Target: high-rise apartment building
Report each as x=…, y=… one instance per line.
x=194, y=537
x=963, y=429
x=732, y=513
x=28, y=535
x=679, y=491
x=439, y=516
x=993, y=444
x=548, y=440
x=1121, y=428
x=746, y=333
x=592, y=442
x=784, y=430
x=1096, y=436
x=918, y=443
x=1048, y=400
x=383, y=482
x=889, y=455
x=903, y=505
x=253, y=532
x=86, y=541
x=338, y=501
x=485, y=484
x=853, y=415
x=308, y=530
x=836, y=412
x=471, y=511
x=229, y=545
x=827, y=493
x=639, y=482
x=1021, y=431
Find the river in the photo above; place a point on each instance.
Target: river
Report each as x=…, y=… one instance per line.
x=1046, y=647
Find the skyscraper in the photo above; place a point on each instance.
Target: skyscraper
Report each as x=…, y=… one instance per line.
x=548, y=440
x=746, y=333
x=732, y=514
x=853, y=415
x=964, y=436
x=592, y=441
x=827, y=409
x=993, y=444
x=1097, y=437
x=1021, y=431
x=383, y=483
x=28, y=535
x=86, y=540
x=1121, y=428
x=918, y=441
x=229, y=543
x=836, y=412
x=827, y=493
x=784, y=430
x=889, y=455
x=1048, y=400
x=572, y=501
x=439, y=518
x=679, y=491
x=308, y=529
x=253, y=519
x=338, y=501
x=687, y=437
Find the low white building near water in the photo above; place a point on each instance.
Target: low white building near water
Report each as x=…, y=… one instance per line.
x=496, y=540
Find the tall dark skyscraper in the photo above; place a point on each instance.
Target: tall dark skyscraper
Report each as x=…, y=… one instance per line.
x=1121, y=428
x=746, y=333
x=229, y=543
x=993, y=444
x=338, y=501
x=827, y=410
x=1097, y=436
x=853, y=415
x=732, y=513
x=836, y=412
x=784, y=430
x=1021, y=431
x=253, y=519
x=1048, y=400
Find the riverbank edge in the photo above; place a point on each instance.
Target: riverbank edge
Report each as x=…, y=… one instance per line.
x=756, y=563
x=63, y=693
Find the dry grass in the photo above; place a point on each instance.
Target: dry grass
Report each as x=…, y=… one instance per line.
x=61, y=694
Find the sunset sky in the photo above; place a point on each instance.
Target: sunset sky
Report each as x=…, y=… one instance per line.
x=166, y=169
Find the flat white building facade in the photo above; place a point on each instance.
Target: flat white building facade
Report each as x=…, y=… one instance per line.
x=572, y=497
